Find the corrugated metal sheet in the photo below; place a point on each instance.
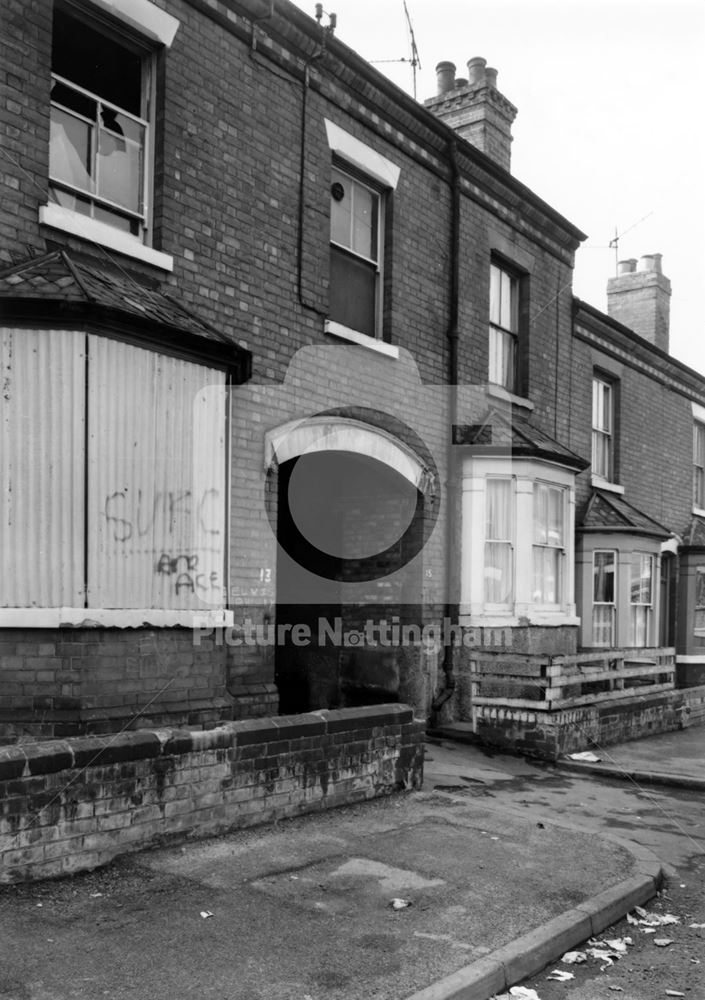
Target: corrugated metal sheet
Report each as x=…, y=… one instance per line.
x=41, y=463
x=156, y=480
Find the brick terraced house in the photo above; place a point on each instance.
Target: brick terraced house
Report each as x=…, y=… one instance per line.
x=299, y=411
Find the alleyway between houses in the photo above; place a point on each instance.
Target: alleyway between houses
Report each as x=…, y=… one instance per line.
x=491, y=848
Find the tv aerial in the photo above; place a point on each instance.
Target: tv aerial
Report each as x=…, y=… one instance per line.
x=414, y=58
x=614, y=242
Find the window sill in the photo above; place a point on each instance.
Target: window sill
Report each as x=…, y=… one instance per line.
x=112, y=618
x=99, y=232
x=698, y=511
x=545, y=618
x=362, y=339
x=604, y=484
x=500, y=393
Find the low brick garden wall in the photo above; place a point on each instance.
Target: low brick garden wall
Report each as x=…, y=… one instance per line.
x=548, y=735
x=70, y=805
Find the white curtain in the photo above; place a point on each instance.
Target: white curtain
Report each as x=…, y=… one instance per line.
x=498, y=542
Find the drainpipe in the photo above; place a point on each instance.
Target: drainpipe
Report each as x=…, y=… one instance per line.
x=448, y=648
x=318, y=54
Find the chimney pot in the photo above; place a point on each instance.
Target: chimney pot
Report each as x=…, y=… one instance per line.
x=445, y=77
x=626, y=266
x=477, y=111
x=651, y=262
x=476, y=70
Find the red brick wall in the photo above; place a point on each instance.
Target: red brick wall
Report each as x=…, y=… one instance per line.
x=64, y=682
x=654, y=437
x=71, y=805
x=551, y=734
x=227, y=200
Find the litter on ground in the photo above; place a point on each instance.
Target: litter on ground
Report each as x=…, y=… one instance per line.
x=574, y=957
x=400, y=904
x=560, y=976
x=586, y=755
x=619, y=944
x=674, y=993
x=647, y=919
x=519, y=993
x=698, y=927
x=663, y=942
x=206, y=913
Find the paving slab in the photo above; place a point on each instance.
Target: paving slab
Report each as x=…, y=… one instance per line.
x=304, y=910
x=676, y=759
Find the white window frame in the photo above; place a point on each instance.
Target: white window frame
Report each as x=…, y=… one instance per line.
x=525, y=473
x=611, y=605
x=96, y=200
x=149, y=26
x=376, y=263
x=603, y=403
x=509, y=543
x=639, y=606
x=699, y=466
x=382, y=175
x=559, y=549
x=503, y=334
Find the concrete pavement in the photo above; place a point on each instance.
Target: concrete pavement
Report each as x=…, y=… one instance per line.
x=305, y=909
x=676, y=759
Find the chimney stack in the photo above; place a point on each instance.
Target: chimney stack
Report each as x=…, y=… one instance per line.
x=639, y=297
x=475, y=108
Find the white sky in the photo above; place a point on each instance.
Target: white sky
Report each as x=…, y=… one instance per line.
x=610, y=125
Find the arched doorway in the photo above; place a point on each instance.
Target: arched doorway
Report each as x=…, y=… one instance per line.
x=353, y=508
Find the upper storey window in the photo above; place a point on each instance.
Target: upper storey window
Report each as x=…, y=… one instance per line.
x=100, y=122
x=504, y=327
x=699, y=465
x=362, y=182
x=603, y=429
x=356, y=242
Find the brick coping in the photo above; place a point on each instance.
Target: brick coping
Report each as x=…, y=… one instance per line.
x=48, y=757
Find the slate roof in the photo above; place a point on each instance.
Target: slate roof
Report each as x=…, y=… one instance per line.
x=61, y=286
x=610, y=512
x=498, y=435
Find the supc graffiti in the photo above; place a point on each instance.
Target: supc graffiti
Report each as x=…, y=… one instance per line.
x=161, y=515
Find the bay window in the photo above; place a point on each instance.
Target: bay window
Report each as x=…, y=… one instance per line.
x=516, y=542
x=115, y=467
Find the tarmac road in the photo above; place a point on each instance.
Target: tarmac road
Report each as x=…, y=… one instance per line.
x=670, y=821
x=492, y=847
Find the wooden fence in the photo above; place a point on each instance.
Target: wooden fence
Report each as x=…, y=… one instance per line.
x=544, y=683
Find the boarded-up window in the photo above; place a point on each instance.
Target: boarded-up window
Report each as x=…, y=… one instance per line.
x=118, y=467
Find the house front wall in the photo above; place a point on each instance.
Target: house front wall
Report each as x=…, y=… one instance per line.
x=251, y=123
